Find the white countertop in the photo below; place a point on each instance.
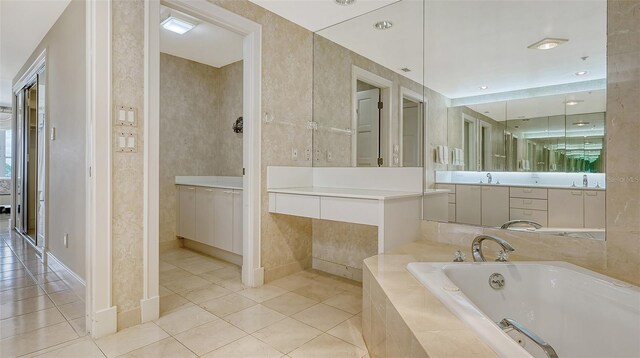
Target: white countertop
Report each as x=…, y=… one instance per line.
x=541, y=186
x=347, y=193
x=211, y=181
x=428, y=192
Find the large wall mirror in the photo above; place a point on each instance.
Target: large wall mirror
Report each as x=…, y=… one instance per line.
x=369, y=108
x=502, y=103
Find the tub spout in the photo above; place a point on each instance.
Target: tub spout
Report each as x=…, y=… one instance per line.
x=476, y=248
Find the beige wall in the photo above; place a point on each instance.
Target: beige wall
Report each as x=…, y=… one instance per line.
x=623, y=130
x=127, y=58
x=198, y=104
x=65, y=110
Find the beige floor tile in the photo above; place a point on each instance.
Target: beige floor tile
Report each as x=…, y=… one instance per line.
x=186, y=283
x=46, y=337
x=322, y=317
x=4, y=275
x=63, y=297
x=247, y=347
x=130, y=339
x=221, y=274
x=201, y=267
x=262, y=293
x=292, y=282
x=172, y=275
x=47, y=277
x=289, y=303
x=184, y=319
x=20, y=294
x=172, y=302
x=73, y=310
x=347, y=301
x=204, y=293
x=287, y=335
x=79, y=325
x=17, y=282
x=350, y=331
x=318, y=291
x=234, y=284
x=254, y=318
x=82, y=349
x=168, y=347
x=29, y=322
x=228, y=304
x=165, y=266
x=211, y=336
x=28, y=305
x=54, y=286
x=163, y=291
x=327, y=346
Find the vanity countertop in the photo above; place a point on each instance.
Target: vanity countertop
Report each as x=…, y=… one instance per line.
x=542, y=186
x=428, y=192
x=347, y=193
x=211, y=181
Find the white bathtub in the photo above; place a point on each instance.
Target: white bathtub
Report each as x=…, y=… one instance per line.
x=578, y=312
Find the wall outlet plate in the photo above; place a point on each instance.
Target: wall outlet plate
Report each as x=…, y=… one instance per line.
x=294, y=154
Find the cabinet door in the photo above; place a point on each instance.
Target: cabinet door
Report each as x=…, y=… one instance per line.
x=468, y=204
x=205, y=222
x=566, y=208
x=237, y=222
x=223, y=219
x=495, y=205
x=594, y=214
x=187, y=212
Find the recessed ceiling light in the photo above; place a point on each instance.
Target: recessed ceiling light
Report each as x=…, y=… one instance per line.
x=179, y=26
x=581, y=73
x=345, y=2
x=573, y=102
x=484, y=87
x=383, y=25
x=486, y=112
x=547, y=44
x=580, y=123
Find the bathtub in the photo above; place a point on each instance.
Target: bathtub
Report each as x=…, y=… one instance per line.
x=576, y=311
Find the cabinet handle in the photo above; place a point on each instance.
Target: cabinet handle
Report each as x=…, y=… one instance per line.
x=209, y=190
x=576, y=192
x=590, y=193
x=527, y=213
x=190, y=188
x=528, y=190
x=228, y=192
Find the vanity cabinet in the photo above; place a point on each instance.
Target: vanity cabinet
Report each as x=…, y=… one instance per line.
x=211, y=216
x=566, y=208
x=451, y=200
x=495, y=205
x=186, y=211
x=468, y=204
x=594, y=209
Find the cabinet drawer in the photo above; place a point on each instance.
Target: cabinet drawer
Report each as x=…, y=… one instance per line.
x=451, y=187
x=538, y=216
x=452, y=198
x=298, y=205
x=531, y=204
x=452, y=213
x=529, y=193
x=359, y=211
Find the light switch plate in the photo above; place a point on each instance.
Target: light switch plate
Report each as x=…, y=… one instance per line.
x=126, y=116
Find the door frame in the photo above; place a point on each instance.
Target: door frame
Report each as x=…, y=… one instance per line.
x=488, y=148
x=385, y=85
x=417, y=97
x=473, y=138
x=252, y=272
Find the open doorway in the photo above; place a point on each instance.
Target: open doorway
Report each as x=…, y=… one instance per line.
x=412, y=129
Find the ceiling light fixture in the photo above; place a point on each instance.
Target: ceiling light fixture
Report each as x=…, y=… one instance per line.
x=573, y=102
x=484, y=87
x=179, y=26
x=383, y=25
x=345, y=2
x=581, y=73
x=547, y=44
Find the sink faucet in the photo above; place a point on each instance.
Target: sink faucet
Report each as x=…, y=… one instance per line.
x=489, y=179
x=508, y=224
x=585, y=181
x=476, y=248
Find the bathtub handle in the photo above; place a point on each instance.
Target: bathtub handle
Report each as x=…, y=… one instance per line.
x=508, y=324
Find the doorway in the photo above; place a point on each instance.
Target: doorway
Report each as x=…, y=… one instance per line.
x=412, y=128
x=30, y=159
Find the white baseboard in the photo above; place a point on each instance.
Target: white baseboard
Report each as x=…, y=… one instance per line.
x=150, y=309
x=57, y=261
x=104, y=322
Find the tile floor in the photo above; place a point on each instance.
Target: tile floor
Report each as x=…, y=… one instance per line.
x=204, y=311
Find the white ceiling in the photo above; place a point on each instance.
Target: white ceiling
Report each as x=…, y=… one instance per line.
x=315, y=15
x=206, y=43
x=23, y=24
x=467, y=44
